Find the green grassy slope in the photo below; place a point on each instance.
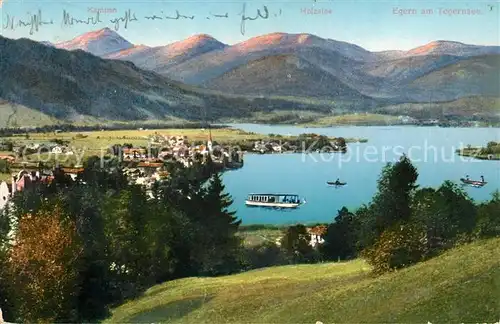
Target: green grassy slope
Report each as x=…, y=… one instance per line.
x=462, y=285
x=354, y=119
x=17, y=115
x=467, y=106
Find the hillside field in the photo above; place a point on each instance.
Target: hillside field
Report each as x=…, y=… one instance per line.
x=460, y=286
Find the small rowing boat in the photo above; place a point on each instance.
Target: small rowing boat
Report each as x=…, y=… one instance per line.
x=474, y=183
x=336, y=183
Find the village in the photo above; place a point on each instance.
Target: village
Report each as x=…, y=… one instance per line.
x=143, y=165
x=144, y=159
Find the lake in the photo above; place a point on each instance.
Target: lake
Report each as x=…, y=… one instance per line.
x=432, y=150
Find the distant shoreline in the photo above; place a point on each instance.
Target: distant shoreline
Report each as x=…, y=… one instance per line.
x=490, y=152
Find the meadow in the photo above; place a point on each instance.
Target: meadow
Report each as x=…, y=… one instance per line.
x=433, y=291
x=355, y=119
x=255, y=235
x=91, y=143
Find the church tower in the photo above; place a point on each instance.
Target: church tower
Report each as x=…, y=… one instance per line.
x=209, y=143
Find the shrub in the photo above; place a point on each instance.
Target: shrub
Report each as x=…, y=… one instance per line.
x=266, y=254
x=340, y=237
x=488, y=222
x=4, y=166
x=7, y=146
x=59, y=141
x=42, y=268
x=296, y=244
x=397, y=247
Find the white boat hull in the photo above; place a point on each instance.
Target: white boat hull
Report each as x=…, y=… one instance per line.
x=273, y=205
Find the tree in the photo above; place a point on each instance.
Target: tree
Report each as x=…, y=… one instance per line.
x=399, y=246
x=116, y=150
x=169, y=232
x=340, y=237
x=447, y=215
x=296, y=243
x=5, y=301
x=341, y=143
x=103, y=173
x=59, y=141
x=488, y=218
x=83, y=203
x=183, y=191
x=125, y=218
x=396, y=185
x=266, y=254
x=425, y=211
x=43, y=267
x=365, y=228
x=4, y=166
x=219, y=229
x=459, y=210
x=7, y=146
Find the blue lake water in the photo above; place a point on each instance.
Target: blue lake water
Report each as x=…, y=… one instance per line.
x=432, y=150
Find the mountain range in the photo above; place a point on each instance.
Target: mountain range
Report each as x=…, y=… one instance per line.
x=241, y=68
x=46, y=83
x=76, y=86
x=101, y=74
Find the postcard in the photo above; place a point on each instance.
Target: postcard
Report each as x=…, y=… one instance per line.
x=281, y=161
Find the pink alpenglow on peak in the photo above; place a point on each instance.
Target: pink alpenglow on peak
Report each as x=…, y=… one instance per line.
x=192, y=46
x=163, y=57
x=278, y=39
x=100, y=42
x=195, y=41
x=128, y=51
x=104, y=32
x=425, y=49
x=440, y=47
x=201, y=37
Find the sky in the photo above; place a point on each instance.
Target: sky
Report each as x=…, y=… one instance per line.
x=373, y=25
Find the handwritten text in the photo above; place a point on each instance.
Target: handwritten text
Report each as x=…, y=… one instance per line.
x=34, y=22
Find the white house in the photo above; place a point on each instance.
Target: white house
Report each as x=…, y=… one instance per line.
x=317, y=233
x=4, y=194
x=134, y=153
x=57, y=150
x=316, y=240
x=276, y=147
x=33, y=146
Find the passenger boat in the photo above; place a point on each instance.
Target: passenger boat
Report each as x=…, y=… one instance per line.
x=274, y=200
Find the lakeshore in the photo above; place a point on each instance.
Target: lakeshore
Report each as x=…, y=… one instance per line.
x=382, y=118
x=489, y=152
x=150, y=148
